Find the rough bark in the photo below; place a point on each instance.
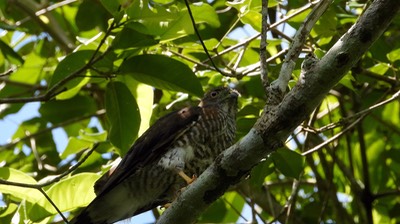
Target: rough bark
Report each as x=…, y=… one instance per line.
x=276, y=123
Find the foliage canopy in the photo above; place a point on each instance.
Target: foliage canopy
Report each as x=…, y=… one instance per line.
x=103, y=71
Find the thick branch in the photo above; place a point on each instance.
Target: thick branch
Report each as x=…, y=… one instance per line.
x=273, y=127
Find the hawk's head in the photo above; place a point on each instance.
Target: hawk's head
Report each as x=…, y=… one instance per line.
x=222, y=97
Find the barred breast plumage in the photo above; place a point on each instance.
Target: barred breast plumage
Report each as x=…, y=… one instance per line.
x=187, y=140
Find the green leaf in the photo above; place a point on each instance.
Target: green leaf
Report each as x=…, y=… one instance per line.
x=75, y=145
x=10, y=54
x=215, y=213
x=157, y=21
x=347, y=81
x=262, y=170
x=22, y=193
x=234, y=202
x=162, y=72
x=380, y=68
x=288, y=162
x=73, y=90
x=123, y=114
x=57, y=111
x=90, y=16
x=93, y=137
x=298, y=19
x=203, y=12
x=70, y=64
x=394, y=55
x=253, y=18
x=326, y=25
x=130, y=38
x=75, y=63
x=71, y=193
x=111, y=6
x=30, y=71
x=144, y=96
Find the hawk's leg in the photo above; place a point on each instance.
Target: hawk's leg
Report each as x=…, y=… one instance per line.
x=188, y=181
x=186, y=177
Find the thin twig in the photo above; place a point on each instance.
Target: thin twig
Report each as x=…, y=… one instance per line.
x=199, y=37
x=346, y=120
x=8, y=72
x=45, y=10
x=234, y=209
x=40, y=132
x=56, y=88
x=272, y=26
x=53, y=204
x=297, y=44
x=338, y=135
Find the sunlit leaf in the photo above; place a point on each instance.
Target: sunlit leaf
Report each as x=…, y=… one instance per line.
x=20, y=193
x=75, y=145
x=379, y=68
x=394, y=55
x=68, y=194
x=144, y=95
x=205, y=13
x=233, y=202
x=30, y=71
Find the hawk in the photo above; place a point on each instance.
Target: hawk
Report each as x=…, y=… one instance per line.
x=183, y=143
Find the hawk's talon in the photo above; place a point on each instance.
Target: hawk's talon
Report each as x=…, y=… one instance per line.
x=166, y=205
x=186, y=177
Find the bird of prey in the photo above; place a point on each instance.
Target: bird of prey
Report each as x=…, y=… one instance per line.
x=183, y=143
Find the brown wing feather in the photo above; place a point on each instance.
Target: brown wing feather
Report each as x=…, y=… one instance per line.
x=150, y=146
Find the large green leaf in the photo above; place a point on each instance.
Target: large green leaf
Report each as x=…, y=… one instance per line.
x=130, y=38
x=289, y=162
x=123, y=114
x=21, y=193
x=162, y=72
x=205, y=13
x=69, y=65
x=57, y=111
x=144, y=95
x=90, y=16
x=68, y=194
x=75, y=64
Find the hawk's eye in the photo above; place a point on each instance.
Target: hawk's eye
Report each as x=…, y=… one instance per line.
x=213, y=94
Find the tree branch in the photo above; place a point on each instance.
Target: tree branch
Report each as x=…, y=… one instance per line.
x=273, y=127
x=298, y=41
x=51, y=26
x=263, y=45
